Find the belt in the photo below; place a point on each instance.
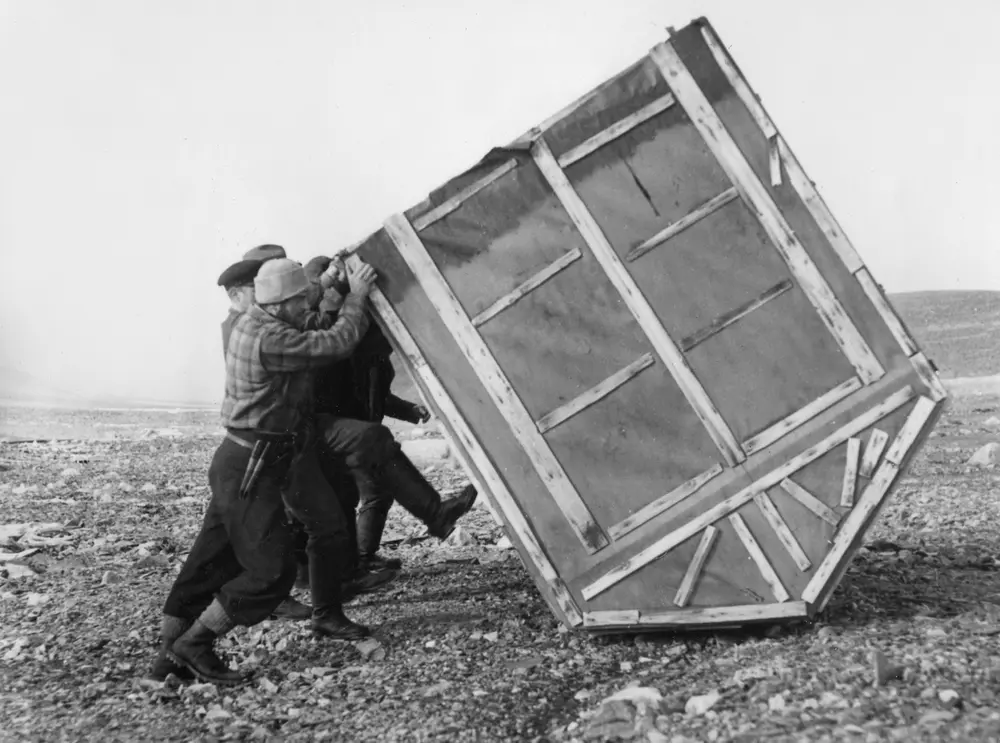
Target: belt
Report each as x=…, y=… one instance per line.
x=247, y=437
x=267, y=448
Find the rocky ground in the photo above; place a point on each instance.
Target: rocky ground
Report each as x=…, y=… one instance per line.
x=92, y=532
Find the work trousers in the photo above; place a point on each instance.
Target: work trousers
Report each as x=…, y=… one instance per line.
x=314, y=504
x=243, y=554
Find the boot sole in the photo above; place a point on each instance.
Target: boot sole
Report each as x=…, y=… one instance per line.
x=202, y=677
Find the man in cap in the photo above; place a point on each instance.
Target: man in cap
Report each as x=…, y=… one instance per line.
x=241, y=565
x=358, y=390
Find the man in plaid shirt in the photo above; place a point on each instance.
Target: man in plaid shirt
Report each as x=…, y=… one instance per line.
x=241, y=565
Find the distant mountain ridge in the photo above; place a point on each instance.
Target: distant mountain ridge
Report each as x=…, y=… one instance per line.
x=959, y=330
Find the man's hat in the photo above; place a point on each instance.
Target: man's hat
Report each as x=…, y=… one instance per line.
x=264, y=253
x=316, y=267
x=279, y=280
x=241, y=273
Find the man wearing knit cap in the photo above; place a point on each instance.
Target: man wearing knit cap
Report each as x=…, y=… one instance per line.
x=355, y=395
x=241, y=564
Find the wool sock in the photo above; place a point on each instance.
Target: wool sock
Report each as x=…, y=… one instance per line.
x=216, y=619
x=173, y=627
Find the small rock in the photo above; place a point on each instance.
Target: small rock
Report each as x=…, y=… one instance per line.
x=125, y=487
x=986, y=455
x=152, y=561
x=491, y=636
x=110, y=578
x=950, y=698
x=937, y=716
x=776, y=703
x=699, y=705
x=937, y=632
x=371, y=649
x=69, y=472
x=217, y=714
x=583, y=695
x=992, y=422
x=461, y=537
x=150, y=685
x=504, y=544
x=885, y=671
x=37, y=599
x=826, y=633
x=18, y=571
x=149, y=488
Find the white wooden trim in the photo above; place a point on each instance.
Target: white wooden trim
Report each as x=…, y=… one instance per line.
x=616, y=130
x=664, y=502
x=757, y=198
x=796, y=175
x=667, y=542
x=527, y=286
x=820, y=212
x=610, y=616
x=803, y=415
x=870, y=499
x=599, y=391
x=886, y=311
x=784, y=534
x=760, y=559
x=730, y=317
x=708, y=538
x=738, y=83
x=850, y=472
x=447, y=207
x=935, y=388
x=724, y=614
x=640, y=308
x=873, y=451
x=492, y=485
x=774, y=162
x=695, y=215
x=479, y=356
x=810, y=501
x=911, y=429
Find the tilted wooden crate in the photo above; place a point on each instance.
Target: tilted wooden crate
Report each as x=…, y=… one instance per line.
x=657, y=353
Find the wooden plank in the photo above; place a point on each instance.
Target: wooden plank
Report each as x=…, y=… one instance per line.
x=935, y=388
x=738, y=82
x=667, y=542
x=810, y=501
x=708, y=538
x=595, y=393
x=492, y=484
x=850, y=472
x=753, y=192
x=889, y=316
x=820, y=212
x=722, y=614
x=475, y=350
x=911, y=429
x=796, y=175
x=637, y=304
x=610, y=616
x=726, y=319
x=616, y=130
x=696, y=215
x=527, y=286
x=661, y=504
x=870, y=499
x=774, y=161
x=805, y=414
x=873, y=451
x=447, y=207
x=759, y=558
x=785, y=536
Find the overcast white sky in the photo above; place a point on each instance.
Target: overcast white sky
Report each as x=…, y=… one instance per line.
x=147, y=144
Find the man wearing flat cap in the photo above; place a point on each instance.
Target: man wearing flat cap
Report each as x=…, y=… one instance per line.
x=237, y=280
x=241, y=565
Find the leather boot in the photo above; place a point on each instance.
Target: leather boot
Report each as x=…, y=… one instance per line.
x=194, y=650
x=336, y=626
x=366, y=581
x=171, y=629
x=410, y=488
x=451, y=511
x=375, y=563
x=371, y=524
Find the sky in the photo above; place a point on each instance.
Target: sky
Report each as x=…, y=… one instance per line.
x=146, y=145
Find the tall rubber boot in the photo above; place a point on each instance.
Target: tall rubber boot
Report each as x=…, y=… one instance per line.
x=412, y=491
x=195, y=648
x=371, y=524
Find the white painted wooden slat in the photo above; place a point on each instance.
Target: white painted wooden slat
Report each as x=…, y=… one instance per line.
x=784, y=534
x=655, y=508
x=850, y=472
x=873, y=451
x=527, y=286
x=695, y=215
x=760, y=559
x=810, y=501
x=447, y=207
x=723, y=614
x=616, y=130
x=686, y=588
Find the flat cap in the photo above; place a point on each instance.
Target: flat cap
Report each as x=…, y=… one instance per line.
x=241, y=273
x=264, y=253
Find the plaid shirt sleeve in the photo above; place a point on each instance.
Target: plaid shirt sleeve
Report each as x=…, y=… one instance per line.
x=288, y=349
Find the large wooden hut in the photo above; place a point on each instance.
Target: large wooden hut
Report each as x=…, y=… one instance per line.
x=657, y=353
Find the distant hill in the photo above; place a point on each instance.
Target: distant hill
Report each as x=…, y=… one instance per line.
x=960, y=331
